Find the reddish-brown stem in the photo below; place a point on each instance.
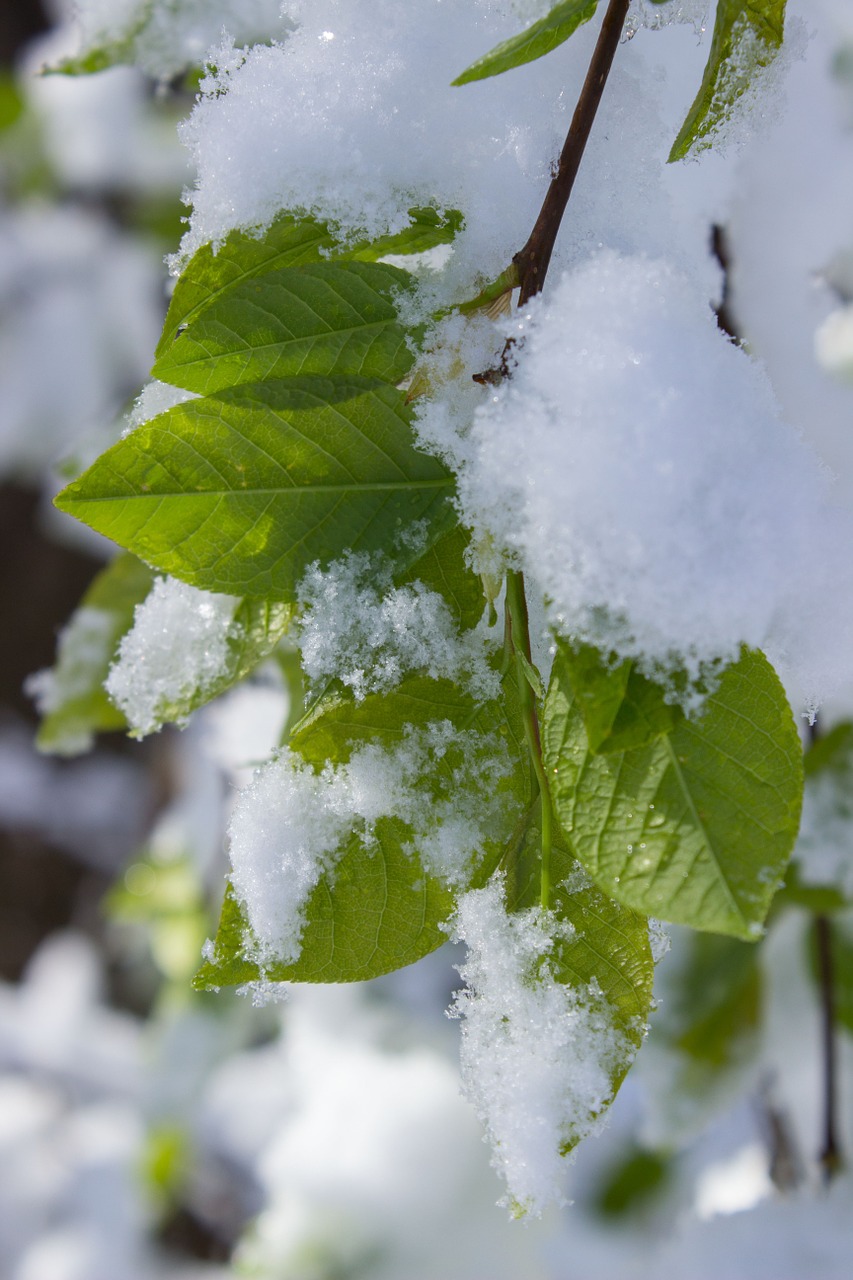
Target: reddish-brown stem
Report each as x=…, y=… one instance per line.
x=533, y=260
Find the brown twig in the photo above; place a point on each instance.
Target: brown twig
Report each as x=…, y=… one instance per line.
x=533, y=260
x=830, y=1156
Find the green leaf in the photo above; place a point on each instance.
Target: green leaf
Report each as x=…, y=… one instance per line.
x=291, y=241
x=747, y=36
x=443, y=568
x=493, y=293
x=336, y=725
x=240, y=492
x=325, y=318
x=832, y=754
x=379, y=909
x=709, y=1021
x=716, y=1007
x=379, y=912
x=621, y=709
x=537, y=40
x=634, y=1184
x=72, y=695
x=428, y=228
x=697, y=825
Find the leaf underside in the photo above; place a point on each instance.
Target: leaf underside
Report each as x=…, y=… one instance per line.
x=697, y=825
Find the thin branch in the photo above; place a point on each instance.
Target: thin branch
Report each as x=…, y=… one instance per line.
x=830, y=1157
x=533, y=260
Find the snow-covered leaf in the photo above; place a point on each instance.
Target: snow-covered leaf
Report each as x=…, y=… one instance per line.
x=447, y=775
x=609, y=943
x=747, y=37
x=71, y=696
x=697, y=825
x=443, y=568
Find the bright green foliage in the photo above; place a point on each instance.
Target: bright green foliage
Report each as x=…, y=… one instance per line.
x=621, y=709
x=241, y=491
x=77, y=706
x=534, y=42
x=747, y=36
x=697, y=825
x=321, y=318
x=291, y=241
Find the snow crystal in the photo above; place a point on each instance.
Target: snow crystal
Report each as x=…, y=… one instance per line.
x=358, y=627
x=537, y=1056
x=637, y=469
x=288, y=826
x=646, y=13
x=178, y=646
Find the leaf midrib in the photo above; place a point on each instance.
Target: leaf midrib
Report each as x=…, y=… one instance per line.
x=297, y=490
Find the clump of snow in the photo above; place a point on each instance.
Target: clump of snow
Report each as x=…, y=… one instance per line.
x=355, y=120
x=834, y=343
x=288, y=827
x=166, y=36
x=155, y=398
x=358, y=627
x=636, y=467
x=659, y=940
x=645, y=13
x=538, y=1057
x=178, y=647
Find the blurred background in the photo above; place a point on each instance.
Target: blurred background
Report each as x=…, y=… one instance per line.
x=149, y=1132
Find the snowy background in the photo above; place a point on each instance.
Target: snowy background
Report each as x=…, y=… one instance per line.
x=149, y=1133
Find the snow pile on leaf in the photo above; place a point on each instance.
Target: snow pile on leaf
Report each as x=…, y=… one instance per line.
x=289, y=827
x=177, y=648
x=637, y=468
x=537, y=1056
x=357, y=627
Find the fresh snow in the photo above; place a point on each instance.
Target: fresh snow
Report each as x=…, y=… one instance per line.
x=176, y=648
